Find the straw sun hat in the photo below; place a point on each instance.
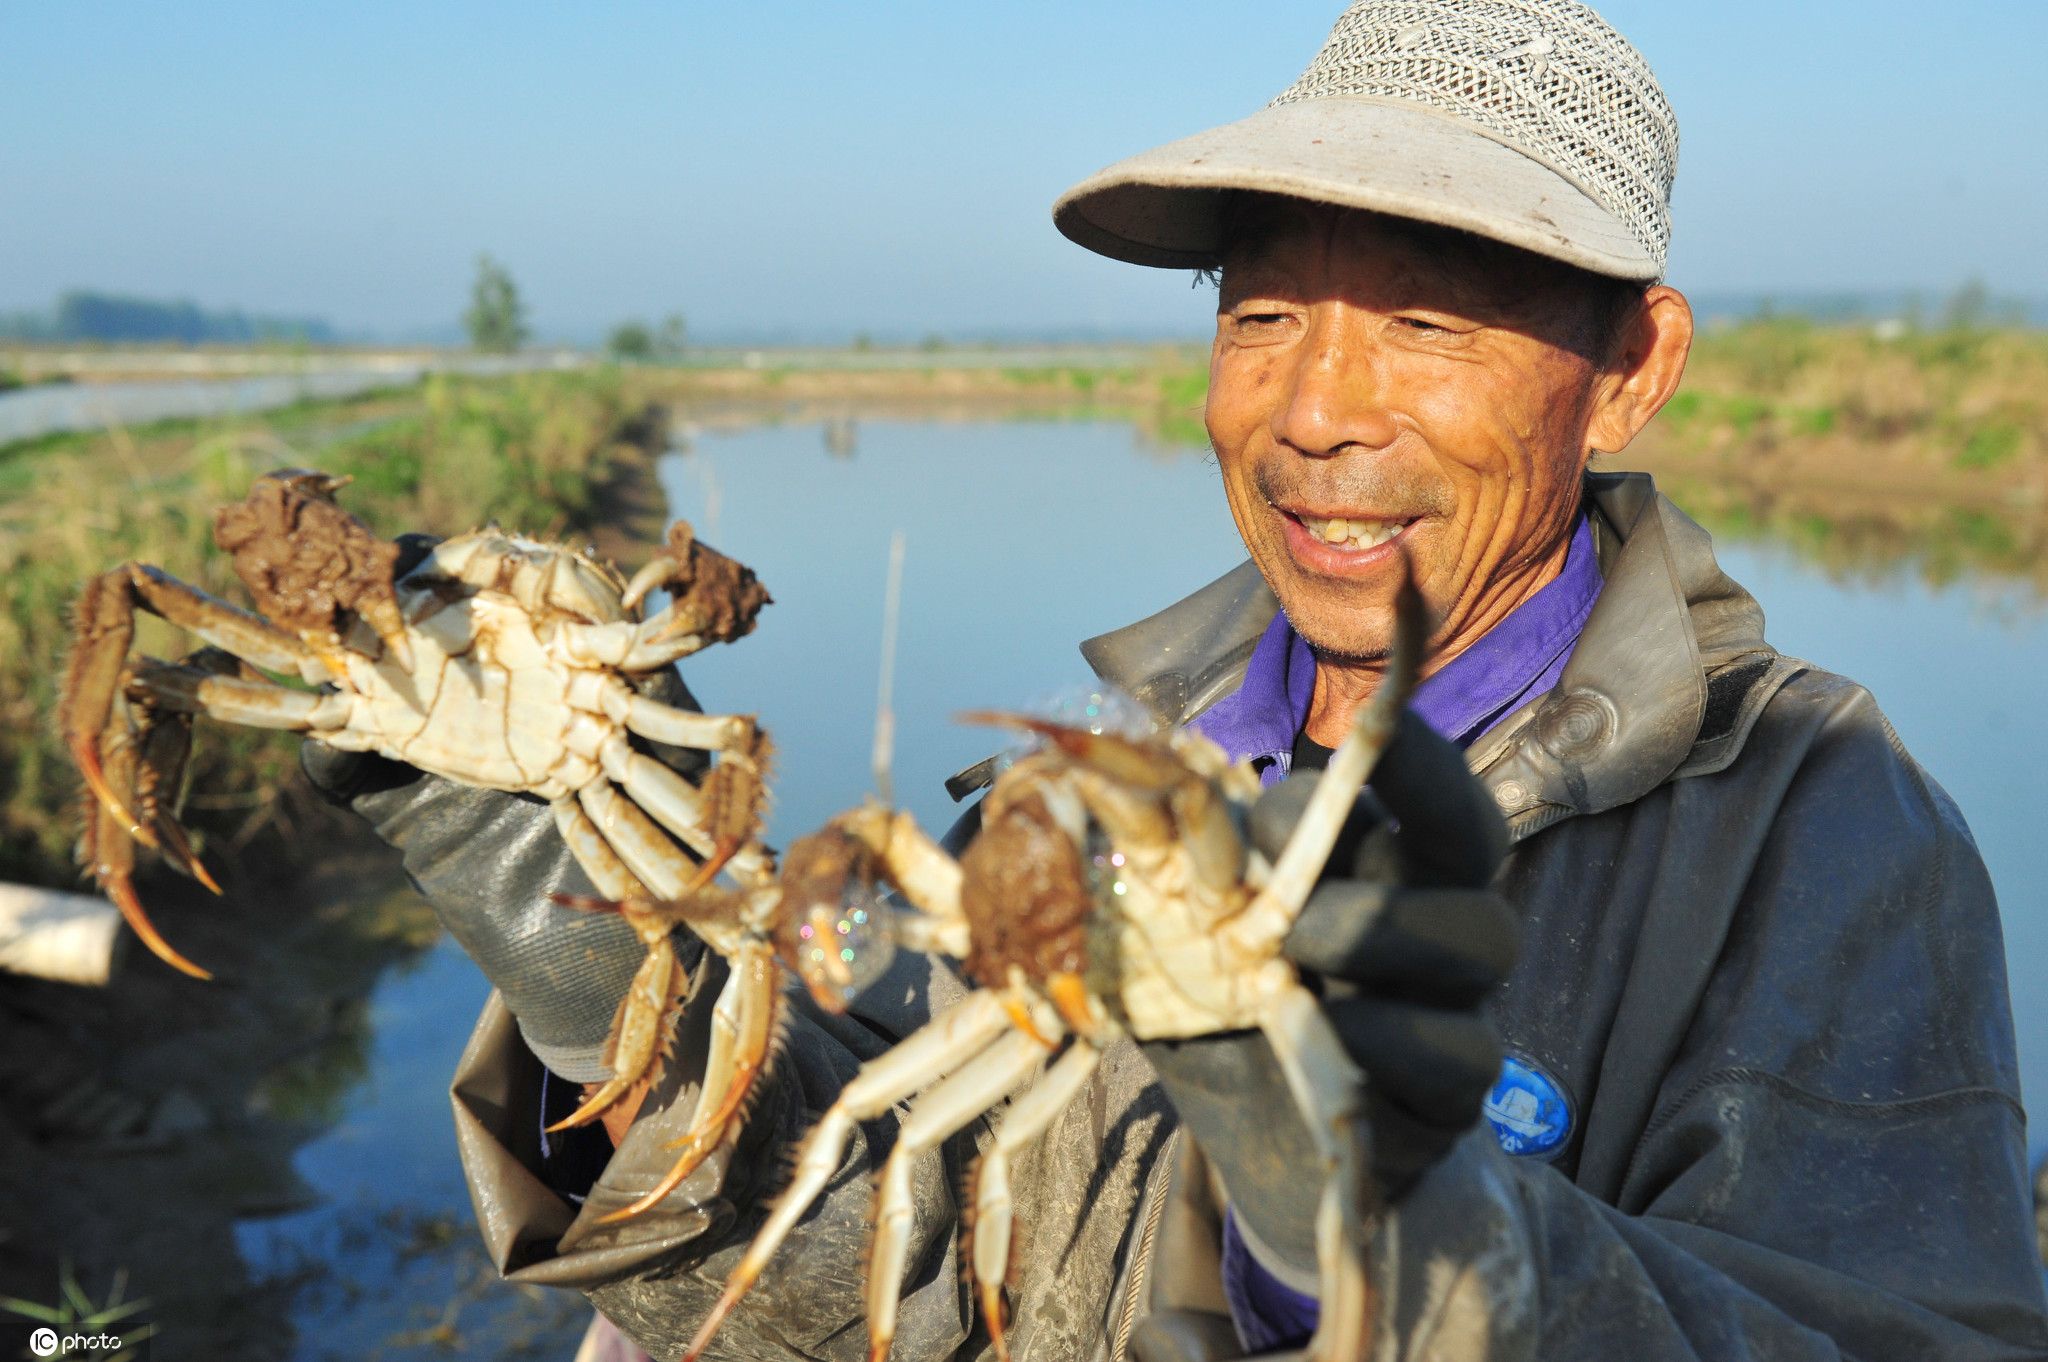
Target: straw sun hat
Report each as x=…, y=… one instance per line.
x=1531, y=122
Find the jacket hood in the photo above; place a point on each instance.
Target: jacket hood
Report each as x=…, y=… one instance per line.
x=1669, y=673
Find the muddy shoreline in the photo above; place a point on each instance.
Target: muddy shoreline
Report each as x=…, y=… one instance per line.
x=140, y=1122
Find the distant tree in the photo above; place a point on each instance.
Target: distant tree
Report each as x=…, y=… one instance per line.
x=630, y=340
x=1969, y=307
x=496, y=318
x=674, y=338
x=88, y=316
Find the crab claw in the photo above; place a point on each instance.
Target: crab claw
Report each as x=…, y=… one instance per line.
x=122, y=892
x=309, y=565
x=108, y=848
x=1148, y=767
x=718, y=599
x=104, y=621
x=670, y=562
x=382, y=615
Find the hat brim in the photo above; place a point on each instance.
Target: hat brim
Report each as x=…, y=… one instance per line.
x=1165, y=207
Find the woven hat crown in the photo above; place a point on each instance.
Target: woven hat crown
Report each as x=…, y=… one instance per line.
x=1549, y=78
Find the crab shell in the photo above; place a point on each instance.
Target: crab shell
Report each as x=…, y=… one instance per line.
x=1116, y=861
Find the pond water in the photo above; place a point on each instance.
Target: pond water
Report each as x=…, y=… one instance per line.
x=1023, y=539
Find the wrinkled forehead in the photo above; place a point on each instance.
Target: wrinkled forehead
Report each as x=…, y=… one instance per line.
x=1271, y=240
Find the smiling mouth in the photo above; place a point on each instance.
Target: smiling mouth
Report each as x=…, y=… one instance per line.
x=1339, y=532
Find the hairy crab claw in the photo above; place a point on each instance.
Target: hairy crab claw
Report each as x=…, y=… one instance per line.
x=1355, y=532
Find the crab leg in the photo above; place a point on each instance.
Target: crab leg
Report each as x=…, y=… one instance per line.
x=1120, y=759
x=934, y=1118
x=235, y=700
x=1269, y=916
x=640, y=844
x=718, y=1062
x=925, y=874
x=917, y=865
x=1027, y=1119
x=613, y=880
x=628, y=646
x=104, y=618
x=617, y=884
x=603, y=693
x=930, y=935
x=691, y=814
x=686, y=626
x=166, y=745
x=144, y=759
x=749, y=1018
x=1328, y=1088
x=110, y=850
x=955, y=1036
x=674, y=803
x=224, y=626
x=641, y=1030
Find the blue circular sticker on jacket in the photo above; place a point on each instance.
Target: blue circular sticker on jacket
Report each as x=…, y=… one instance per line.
x=1528, y=1110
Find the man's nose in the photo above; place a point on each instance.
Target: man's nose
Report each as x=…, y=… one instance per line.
x=1334, y=402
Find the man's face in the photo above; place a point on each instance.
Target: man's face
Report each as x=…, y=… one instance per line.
x=1357, y=378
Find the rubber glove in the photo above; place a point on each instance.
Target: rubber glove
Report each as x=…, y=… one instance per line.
x=1403, y=940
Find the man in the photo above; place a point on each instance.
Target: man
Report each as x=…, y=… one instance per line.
x=1749, y=1088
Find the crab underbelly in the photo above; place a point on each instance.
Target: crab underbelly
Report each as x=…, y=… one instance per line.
x=1179, y=989
x=1172, y=979
x=465, y=734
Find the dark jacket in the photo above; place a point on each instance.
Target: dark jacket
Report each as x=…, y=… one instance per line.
x=1761, y=960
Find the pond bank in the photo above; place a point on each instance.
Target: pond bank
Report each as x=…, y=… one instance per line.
x=140, y=1122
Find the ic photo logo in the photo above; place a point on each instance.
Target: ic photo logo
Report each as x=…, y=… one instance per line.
x=74, y=1341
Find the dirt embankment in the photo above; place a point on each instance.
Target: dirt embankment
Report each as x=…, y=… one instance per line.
x=1163, y=397
x=140, y=1122
x=1865, y=453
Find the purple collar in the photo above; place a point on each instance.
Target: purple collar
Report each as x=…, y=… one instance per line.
x=1518, y=658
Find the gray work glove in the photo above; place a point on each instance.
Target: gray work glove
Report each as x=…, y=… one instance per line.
x=1406, y=994
x=488, y=862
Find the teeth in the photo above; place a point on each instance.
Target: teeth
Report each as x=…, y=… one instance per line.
x=1363, y=534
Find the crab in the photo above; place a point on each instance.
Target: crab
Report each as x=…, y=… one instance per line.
x=498, y=661
x=1109, y=894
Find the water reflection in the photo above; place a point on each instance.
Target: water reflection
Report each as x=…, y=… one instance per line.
x=1871, y=535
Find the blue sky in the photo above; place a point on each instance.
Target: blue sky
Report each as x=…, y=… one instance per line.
x=809, y=170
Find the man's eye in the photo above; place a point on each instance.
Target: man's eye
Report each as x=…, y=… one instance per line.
x=1417, y=324
x=1262, y=319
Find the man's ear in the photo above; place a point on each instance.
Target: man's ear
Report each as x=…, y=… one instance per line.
x=1644, y=372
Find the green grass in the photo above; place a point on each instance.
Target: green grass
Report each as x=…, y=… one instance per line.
x=1989, y=446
